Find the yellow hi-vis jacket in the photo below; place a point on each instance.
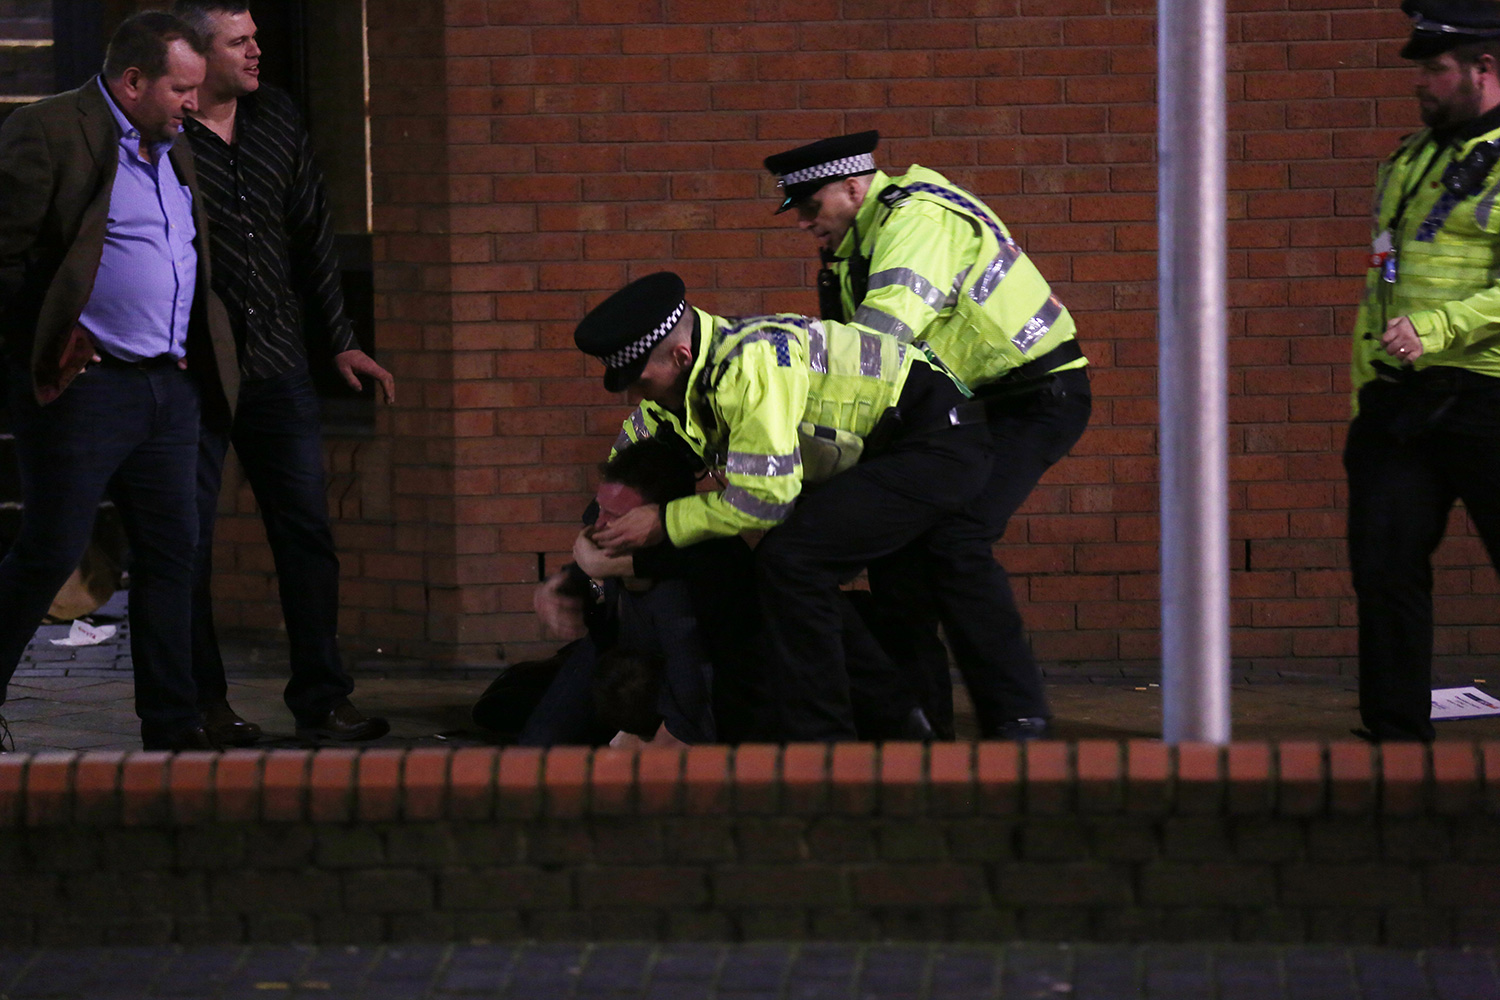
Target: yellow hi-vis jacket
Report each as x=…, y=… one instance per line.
x=762, y=389
x=1447, y=261
x=944, y=269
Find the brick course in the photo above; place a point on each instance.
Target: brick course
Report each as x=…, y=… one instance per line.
x=1292, y=842
x=531, y=157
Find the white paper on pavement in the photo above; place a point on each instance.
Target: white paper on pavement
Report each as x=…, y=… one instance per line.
x=1462, y=703
x=84, y=634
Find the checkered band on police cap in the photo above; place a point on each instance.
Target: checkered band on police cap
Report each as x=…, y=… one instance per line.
x=844, y=166
x=630, y=352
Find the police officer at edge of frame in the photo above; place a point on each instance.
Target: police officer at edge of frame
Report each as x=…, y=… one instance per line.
x=1426, y=365
x=921, y=259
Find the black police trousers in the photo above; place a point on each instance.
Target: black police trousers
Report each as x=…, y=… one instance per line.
x=950, y=574
x=930, y=475
x=1409, y=456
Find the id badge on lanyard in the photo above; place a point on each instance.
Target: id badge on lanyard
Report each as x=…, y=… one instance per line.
x=1383, y=256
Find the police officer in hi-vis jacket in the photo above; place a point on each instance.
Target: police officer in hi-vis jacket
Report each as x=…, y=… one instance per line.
x=1426, y=365
x=918, y=258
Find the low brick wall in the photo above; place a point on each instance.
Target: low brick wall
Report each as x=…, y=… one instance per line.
x=1089, y=841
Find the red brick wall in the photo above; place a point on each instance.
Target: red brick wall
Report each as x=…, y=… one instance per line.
x=1053, y=841
x=532, y=155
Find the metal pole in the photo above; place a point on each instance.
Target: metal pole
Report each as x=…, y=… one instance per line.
x=1194, y=411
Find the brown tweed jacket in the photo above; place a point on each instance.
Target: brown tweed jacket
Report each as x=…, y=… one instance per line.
x=57, y=169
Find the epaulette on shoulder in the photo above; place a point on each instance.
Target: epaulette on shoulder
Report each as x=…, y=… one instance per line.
x=894, y=196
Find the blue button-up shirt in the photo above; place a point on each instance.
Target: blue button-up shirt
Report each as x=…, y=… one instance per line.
x=143, y=293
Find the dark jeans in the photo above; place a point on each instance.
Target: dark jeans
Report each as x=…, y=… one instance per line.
x=1401, y=490
x=278, y=437
x=657, y=622
x=950, y=574
x=130, y=431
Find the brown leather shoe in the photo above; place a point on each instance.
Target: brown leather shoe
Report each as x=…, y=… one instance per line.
x=196, y=738
x=343, y=722
x=226, y=727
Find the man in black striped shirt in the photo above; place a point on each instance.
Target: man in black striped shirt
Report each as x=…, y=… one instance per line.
x=275, y=269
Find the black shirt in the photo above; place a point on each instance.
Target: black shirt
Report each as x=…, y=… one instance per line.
x=271, y=236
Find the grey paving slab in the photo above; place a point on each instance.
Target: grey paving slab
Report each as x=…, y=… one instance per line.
x=1036, y=971
x=1387, y=975
x=754, y=968
x=1105, y=972
x=893, y=972
x=1319, y=974
x=686, y=963
x=615, y=968
x=1248, y=975
x=630, y=972
x=1463, y=975
x=193, y=969
x=963, y=972
x=834, y=963
x=266, y=970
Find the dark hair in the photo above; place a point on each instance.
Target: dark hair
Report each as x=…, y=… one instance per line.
x=653, y=468
x=200, y=13
x=141, y=41
x=1469, y=53
x=626, y=686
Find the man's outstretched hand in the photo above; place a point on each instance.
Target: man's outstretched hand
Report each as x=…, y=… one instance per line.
x=352, y=364
x=561, y=615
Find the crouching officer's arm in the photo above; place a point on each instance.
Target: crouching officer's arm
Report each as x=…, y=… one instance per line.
x=760, y=399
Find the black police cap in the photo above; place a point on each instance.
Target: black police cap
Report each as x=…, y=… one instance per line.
x=1440, y=25
x=802, y=171
x=622, y=330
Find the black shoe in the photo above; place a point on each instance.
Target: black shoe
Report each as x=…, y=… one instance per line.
x=192, y=738
x=225, y=726
x=1021, y=730
x=343, y=722
x=7, y=741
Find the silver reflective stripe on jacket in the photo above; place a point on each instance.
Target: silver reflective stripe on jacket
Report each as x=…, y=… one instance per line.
x=1037, y=326
x=817, y=349
x=746, y=502
x=749, y=464
x=1009, y=253
x=882, y=322
x=869, y=356
x=995, y=272
x=906, y=278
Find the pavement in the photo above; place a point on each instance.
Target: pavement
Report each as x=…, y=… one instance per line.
x=81, y=698
x=752, y=972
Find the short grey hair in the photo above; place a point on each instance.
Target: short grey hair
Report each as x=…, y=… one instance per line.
x=200, y=13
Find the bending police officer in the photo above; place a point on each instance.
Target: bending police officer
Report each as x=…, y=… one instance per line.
x=775, y=402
